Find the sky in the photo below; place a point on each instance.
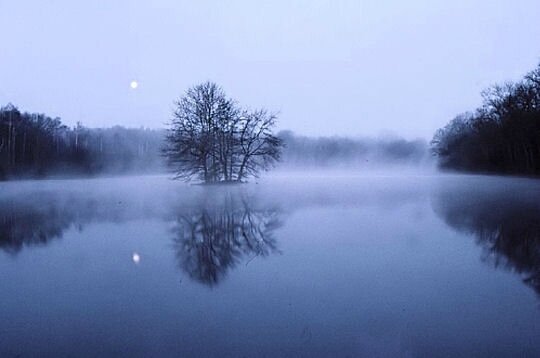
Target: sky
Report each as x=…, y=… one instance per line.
x=346, y=68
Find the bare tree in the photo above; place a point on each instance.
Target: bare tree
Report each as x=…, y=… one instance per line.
x=502, y=135
x=212, y=140
x=198, y=122
x=259, y=149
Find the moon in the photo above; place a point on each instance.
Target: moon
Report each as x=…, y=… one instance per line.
x=134, y=84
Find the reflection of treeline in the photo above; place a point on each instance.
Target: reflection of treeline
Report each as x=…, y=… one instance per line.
x=503, y=135
x=331, y=151
x=35, y=144
x=213, y=230
x=37, y=218
x=30, y=221
x=506, y=225
x=22, y=225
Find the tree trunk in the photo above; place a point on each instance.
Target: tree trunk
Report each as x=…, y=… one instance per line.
x=242, y=166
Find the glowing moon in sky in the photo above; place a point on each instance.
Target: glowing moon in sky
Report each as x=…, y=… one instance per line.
x=136, y=258
x=134, y=84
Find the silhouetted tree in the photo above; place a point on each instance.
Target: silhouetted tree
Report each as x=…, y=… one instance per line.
x=212, y=140
x=258, y=148
x=503, y=135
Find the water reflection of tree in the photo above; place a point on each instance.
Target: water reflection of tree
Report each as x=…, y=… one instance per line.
x=220, y=231
x=505, y=223
x=215, y=228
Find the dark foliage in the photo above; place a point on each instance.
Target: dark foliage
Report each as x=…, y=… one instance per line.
x=503, y=135
x=33, y=144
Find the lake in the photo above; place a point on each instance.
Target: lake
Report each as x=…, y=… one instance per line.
x=303, y=265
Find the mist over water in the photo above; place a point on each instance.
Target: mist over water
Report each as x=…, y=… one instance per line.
x=279, y=179
x=319, y=264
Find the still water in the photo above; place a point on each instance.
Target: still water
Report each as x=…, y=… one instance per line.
x=300, y=266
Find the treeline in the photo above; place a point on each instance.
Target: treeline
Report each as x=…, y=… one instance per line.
x=302, y=151
x=34, y=145
x=502, y=135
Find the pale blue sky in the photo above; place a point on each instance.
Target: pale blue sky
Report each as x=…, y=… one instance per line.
x=330, y=67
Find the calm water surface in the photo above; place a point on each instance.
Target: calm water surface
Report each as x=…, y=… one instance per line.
x=305, y=266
